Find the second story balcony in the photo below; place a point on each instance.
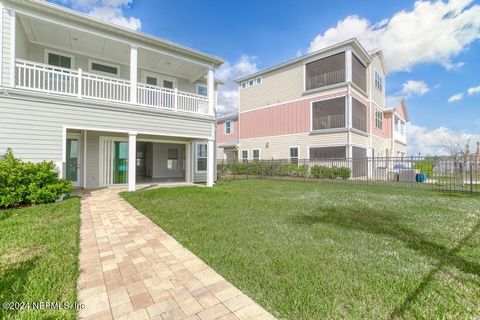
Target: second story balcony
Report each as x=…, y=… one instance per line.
x=89, y=62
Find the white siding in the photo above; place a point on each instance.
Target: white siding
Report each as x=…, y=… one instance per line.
x=6, y=45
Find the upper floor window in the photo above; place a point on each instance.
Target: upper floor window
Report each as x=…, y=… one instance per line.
x=59, y=60
x=378, y=119
x=104, y=68
x=325, y=72
x=378, y=81
x=328, y=114
x=228, y=127
x=251, y=82
x=359, y=115
x=359, y=73
x=202, y=90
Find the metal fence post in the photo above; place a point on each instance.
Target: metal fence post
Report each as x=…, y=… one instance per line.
x=471, y=177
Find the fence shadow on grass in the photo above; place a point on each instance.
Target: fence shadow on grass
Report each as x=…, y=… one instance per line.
x=385, y=223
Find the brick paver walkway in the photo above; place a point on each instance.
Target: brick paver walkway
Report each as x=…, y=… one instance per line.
x=132, y=269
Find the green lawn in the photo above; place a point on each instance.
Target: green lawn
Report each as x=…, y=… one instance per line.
x=39, y=248
x=315, y=251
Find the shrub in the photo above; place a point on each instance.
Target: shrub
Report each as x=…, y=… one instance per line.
x=26, y=182
x=323, y=172
x=425, y=167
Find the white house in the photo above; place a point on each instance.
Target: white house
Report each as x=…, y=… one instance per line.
x=107, y=104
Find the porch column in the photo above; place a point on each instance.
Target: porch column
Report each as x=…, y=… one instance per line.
x=348, y=65
x=210, y=91
x=188, y=163
x=210, y=163
x=132, y=157
x=133, y=73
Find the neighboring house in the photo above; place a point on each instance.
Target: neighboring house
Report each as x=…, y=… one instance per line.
x=107, y=104
x=327, y=104
x=227, y=137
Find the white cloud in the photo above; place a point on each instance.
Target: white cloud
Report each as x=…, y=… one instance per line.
x=455, y=97
x=409, y=89
x=415, y=87
x=228, y=95
x=429, y=142
x=108, y=10
x=473, y=90
x=432, y=32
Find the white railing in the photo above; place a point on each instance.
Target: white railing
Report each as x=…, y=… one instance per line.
x=50, y=79
x=105, y=88
x=329, y=122
x=45, y=78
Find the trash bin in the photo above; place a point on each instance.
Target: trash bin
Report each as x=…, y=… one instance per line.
x=421, y=177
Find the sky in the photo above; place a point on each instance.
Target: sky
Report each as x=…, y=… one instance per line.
x=431, y=48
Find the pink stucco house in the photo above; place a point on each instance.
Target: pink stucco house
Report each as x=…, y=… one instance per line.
x=227, y=137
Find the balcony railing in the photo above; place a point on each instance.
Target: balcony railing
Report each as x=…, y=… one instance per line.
x=329, y=122
x=50, y=79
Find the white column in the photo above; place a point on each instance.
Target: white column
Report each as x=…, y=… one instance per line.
x=133, y=73
x=13, y=39
x=348, y=65
x=210, y=163
x=132, y=159
x=85, y=137
x=210, y=91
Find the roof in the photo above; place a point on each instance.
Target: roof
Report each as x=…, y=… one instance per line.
x=228, y=116
x=402, y=106
x=51, y=8
x=352, y=42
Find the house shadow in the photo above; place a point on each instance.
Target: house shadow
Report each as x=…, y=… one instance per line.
x=14, y=280
x=386, y=223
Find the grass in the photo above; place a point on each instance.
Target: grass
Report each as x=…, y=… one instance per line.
x=316, y=251
x=39, y=248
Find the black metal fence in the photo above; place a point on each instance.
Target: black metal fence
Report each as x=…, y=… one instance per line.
x=460, y=174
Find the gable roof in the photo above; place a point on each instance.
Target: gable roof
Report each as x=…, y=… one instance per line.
x=401, y=110
x=353, y=42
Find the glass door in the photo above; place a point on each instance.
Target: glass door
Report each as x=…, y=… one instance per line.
x=72, y=161
x=120, y=162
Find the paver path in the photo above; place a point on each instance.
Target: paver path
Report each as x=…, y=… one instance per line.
x=132, y=269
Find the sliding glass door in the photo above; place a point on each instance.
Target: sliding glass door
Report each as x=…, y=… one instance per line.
x=120, y=160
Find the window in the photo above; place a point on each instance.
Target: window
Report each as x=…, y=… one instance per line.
x=228, y=127
x=172, y=162
x=378, y=81
x=202, y=90
x=325, y=72
x=328, y=114
x=258, y=80
x=59, y=60
x=152, y=81
x=251, y=83
x=359, y=73
x=104, y=68
x=244, y=155
x=294, y=155
x=169, y=84
x=244, y=84
x=328, y=152
x=201, y=156
x=378, y=119
x=256, y=154
x=359, y=115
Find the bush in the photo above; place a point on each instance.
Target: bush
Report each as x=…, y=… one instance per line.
x=425, y=167
x=29, y=183
x=264, y=168
x=323, y=172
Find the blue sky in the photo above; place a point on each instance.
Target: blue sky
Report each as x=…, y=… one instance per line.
x=432, y=48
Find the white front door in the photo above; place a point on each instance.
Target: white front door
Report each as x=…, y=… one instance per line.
x=74, y=159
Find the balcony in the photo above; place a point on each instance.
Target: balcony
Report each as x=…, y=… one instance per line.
x=83, y=85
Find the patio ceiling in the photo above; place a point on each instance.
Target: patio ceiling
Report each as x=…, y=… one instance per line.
x=97, y=47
